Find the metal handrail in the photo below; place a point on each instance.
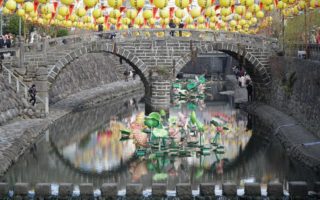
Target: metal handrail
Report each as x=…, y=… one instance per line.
x=18, y=83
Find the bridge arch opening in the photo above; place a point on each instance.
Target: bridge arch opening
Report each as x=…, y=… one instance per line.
x=133, y=61
x=251, y=63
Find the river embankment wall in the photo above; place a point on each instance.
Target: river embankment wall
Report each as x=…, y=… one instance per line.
x=295, y=90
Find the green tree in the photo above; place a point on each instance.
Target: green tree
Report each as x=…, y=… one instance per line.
x=12, y=25
x=62, y=32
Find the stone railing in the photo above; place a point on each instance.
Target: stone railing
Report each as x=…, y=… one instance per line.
x=20, y=87
x=183, y=191
x=300, y=50
x=154, y=34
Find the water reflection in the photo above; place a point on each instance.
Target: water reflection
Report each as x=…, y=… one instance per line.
x=85, y=147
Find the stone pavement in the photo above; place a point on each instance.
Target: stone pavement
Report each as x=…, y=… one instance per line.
x=299, y=143
x=16, y=137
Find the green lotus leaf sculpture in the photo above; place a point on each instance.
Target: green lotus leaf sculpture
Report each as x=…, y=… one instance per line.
x=162, y=113
x=151, y=123
x=160, y=177
x=191, y=86
x=160, y=133
x=193, y=117
x=155, y=115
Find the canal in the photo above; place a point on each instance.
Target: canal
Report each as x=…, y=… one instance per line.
x=85, y=147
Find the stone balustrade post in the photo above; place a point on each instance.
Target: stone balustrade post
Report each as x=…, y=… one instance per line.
x=158, y=93
x=41, y=83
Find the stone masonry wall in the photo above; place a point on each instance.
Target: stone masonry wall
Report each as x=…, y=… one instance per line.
x=303, y=101
x=90, y=70
x=11, y=104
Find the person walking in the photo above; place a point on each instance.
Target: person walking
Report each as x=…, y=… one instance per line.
x=33, y=92
x=181, y=25
x=1, y=42
x=112, y=29
x=126, y=75
x=249, y=89
x=318, y=36
x=172, y=25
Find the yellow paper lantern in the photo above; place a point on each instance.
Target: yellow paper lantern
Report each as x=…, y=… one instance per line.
x=176, y=20
x=96, y=13
x=233, y=23
x=151, y=21
x=225, y=11
x=73, y=17
x=11, y=5
x=63, y=10
x=179, y=13
x=19, y=1
x=267, y=2
x=125, y=21
x=81, y=12
x=292, y=1
x=213, y=19
x=302, y=4
x=164, y=13
x=236, y=17
x=182, y=3
x=190, y=26
x=45, y=9
x=225, y=3
x=188, y=20
x=90, y=3
x=204, y=3
x=115, y=3
x=147, y=14
x=28, y=7
x=248, y=15
x=139, y=21
x=201, y=19
x=43, y=1
x=242, y=22
x=254, y=8
x=314, y=3
x=209, y=12
x=131, y=13
x=100, y=20
x=160, y=3
x=21, y=12
x=86, y=19
x=260, y=14
x=58, y=17
x=240, y=10
x=113, y=21
x=164, y=21
x=195, y=12
x=67, y=2
x=202, y=26
x=115, y=13
x=137, y=3
x=47, y=16
x=254, y=20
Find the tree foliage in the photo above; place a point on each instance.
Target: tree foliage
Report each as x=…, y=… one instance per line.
x=12, y=25
x=62, y=32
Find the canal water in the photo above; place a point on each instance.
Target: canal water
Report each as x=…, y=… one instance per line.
x=85, y=147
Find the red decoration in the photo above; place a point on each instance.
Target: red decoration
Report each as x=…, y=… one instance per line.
x=71, y=8
x=106, y=19
x=67, y=16
x=261, y=5
x=103, y=7
x=122, y=8
x=151, y=1
x=154, y=11
x=139, y=9
x=35, y=5
x=276, y=2
x=55, y=5
x=213, y=1
x=232, y=8
x=118, y=20
x=216, y=7
x=171, y=12
x=190, y=1
x=1, y=1
x=145, y=21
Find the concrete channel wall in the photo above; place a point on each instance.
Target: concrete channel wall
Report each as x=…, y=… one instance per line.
x=300, y=96
x=296, y=190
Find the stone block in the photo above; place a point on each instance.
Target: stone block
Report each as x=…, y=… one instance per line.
x=207, y=189
x=134, y=190
x=65, y=190
x=43, y=190
x=159, y=190
x=109, y=191
x=4, y=189
x=86, y=190
x=252, y=189
x=275, y=190
x=21, y=189
x=183, y=191
x=298, y=189
x=229, y=189
x=317, y=187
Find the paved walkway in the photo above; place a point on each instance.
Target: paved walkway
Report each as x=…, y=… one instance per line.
x=16, y=137
x=240, y=94
x=299, y=143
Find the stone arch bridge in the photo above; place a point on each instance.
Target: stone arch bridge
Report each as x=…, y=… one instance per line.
x=154, y=54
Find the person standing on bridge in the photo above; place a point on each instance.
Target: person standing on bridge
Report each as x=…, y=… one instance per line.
x=249, y=89
x=172, y=25
x=32, y=92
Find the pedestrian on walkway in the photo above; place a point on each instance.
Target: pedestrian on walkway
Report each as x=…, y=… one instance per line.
x=134, y=74
x=172, y=25
x=33, y=92
x=126, y=75
x=181, y=25
x=113, y=33
x=249, y=89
